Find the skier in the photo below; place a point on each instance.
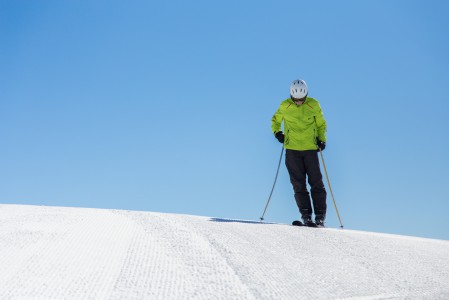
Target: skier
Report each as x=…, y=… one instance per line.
x=305, y=134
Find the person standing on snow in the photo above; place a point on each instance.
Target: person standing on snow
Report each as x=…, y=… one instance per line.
x=305, y=134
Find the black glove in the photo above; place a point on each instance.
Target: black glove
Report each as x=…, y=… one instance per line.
x=321, y=145
x=280, y=136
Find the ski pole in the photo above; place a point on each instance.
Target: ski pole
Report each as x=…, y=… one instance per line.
x=272, y=189
x=330, y=188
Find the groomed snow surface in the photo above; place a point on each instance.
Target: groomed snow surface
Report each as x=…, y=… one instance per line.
x=78, y=253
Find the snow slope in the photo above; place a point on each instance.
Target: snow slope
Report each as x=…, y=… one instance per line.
x=77, y=253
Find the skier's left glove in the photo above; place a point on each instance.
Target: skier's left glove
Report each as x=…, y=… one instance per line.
x=321, y=145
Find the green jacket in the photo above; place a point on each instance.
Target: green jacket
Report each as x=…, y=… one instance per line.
x=303, y=124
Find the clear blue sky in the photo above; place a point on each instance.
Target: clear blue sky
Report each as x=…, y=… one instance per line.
x=166, y=106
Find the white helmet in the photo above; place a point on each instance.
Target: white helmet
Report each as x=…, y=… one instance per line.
x=298, y=89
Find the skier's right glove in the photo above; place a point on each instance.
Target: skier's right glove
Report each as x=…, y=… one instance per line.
x=280, y=136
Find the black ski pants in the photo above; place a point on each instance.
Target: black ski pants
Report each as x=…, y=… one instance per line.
x=302, y=165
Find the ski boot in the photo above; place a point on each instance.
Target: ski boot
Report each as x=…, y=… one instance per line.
x=307, y=221
x=319, y=221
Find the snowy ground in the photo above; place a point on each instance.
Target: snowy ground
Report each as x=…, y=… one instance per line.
x=76, y=253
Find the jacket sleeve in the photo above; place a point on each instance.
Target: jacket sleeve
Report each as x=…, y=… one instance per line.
x=276, y=120
x=321, y=125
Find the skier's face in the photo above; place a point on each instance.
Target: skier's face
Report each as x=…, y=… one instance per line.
x=299, y=101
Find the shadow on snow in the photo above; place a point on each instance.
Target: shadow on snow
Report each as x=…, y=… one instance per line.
x=238, y=221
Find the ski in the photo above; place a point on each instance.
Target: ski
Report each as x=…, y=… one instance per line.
x=309, y=224
x=297, y=223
